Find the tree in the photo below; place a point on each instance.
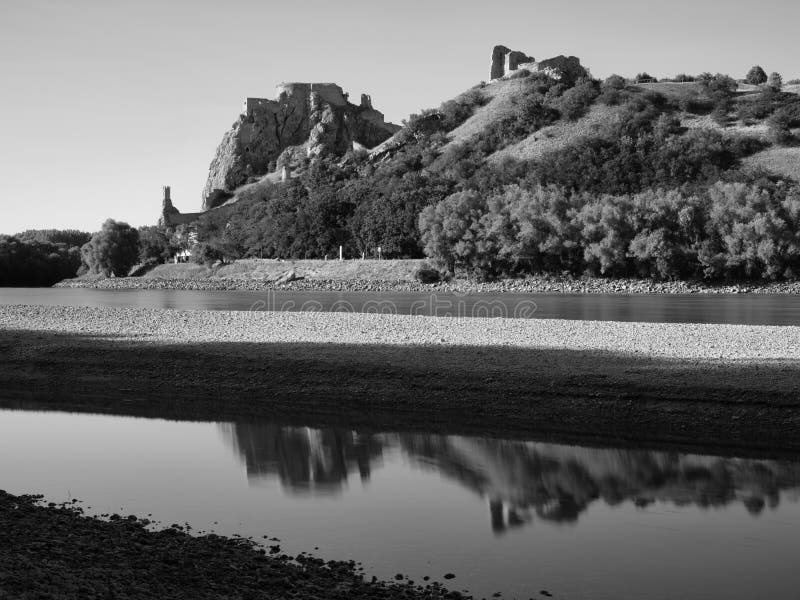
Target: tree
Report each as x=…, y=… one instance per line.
x=451, y=232
x=154, y=245
x=775, y=81
x=113, y=250
x=720, y=89
x=756, y=76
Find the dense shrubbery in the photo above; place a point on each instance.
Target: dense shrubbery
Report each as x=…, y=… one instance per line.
x=730, y=231
x=327, y=207
x=720, y=89
x=644, y=148
x=780, y=110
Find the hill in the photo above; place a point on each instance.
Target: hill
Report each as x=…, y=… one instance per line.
x=544, y=169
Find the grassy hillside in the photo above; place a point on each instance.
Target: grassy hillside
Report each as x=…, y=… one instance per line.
x=502, y=96
x=557, y=136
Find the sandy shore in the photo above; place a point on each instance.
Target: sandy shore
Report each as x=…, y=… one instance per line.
x=714, y=385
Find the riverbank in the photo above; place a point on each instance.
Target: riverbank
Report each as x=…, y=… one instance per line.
x=714, y=386
x=393, y=276
x=50, y=551
x=532, y=285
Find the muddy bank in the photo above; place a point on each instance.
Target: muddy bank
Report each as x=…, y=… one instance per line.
x=709, y=386
x=541, y=285
x=56, y=552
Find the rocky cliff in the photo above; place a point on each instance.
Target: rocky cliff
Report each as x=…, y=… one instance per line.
x=314, y=119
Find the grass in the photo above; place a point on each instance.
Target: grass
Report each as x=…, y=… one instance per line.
x=256, y=268
x=758, y=130
x=672, y=90
x=502, y=94
x=557, y=136
x=781, y=161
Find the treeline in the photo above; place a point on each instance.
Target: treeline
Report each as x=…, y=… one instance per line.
x=43, y=257
x=728, y=231
x=40, y=257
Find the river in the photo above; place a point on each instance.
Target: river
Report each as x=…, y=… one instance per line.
x=510, y=516
x=746, y=309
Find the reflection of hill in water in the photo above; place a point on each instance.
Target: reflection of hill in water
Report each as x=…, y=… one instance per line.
x=519, y=479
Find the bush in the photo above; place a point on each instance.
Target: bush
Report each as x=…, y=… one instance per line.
x=644, y=78
x=455, y=112
x=113, y=250
x=574, y=103
x=756, y=76
x=775, y=81
x=780, y=126
x=427, y=275
x=612, y=91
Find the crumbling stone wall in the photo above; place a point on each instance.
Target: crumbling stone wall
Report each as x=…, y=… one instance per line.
x=565, y=68
x=505, y=60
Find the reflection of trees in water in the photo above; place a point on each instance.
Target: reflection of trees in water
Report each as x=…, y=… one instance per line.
x=520, y=480
x=304, y=459
x=557, y=483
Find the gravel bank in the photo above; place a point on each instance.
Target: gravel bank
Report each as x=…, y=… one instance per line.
x=552, y=285
x=712, y=386
x=664, y=340
x=55, y=552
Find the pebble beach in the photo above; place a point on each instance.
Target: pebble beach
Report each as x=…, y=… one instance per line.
x=665, y=340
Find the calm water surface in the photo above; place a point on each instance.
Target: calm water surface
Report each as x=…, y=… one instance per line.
x=503, y=515
x=750, y=309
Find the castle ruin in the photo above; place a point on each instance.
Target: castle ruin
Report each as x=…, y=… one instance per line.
x=506, y=62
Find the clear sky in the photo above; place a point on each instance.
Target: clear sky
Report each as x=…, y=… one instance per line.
x=104, y=101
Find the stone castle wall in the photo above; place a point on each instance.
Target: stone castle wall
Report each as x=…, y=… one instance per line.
x=506, y=62
x=329, y=92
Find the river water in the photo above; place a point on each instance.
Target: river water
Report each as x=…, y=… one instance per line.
x=749, y=309
x=510, y=516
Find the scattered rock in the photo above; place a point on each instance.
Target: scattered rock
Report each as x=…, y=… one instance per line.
x=110, y=562
x=545, y=284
